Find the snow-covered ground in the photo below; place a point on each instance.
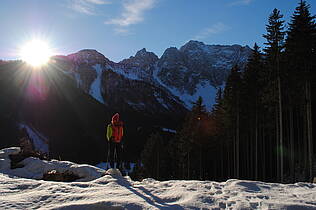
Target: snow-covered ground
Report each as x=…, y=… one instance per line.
x=117, y=192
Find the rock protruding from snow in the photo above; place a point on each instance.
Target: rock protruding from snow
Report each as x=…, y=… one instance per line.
x=5, y=163
x=4, y=153
x=35, y=168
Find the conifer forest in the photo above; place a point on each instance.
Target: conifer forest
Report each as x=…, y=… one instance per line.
x=262, y=126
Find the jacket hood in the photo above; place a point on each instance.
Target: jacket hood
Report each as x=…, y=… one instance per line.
x=116, y=118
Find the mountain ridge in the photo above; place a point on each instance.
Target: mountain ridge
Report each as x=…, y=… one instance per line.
x=185, y=72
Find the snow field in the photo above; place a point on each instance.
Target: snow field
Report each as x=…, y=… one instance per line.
x=109, y=190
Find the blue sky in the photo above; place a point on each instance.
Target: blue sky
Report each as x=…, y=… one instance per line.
x=119, y=28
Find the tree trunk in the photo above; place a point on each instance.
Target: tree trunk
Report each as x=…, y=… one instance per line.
x=237, y=145
x=158, y=164
x=277, y=145
x=263, y=151
x=200, y=161
x=256, y=145
x=229, y=162
x=280, y=129
x=305, y=141
x=292, y=160
x=222, y=160
x=188, y=174
x=309, y=128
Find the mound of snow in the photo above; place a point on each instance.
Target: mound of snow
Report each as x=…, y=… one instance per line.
x=128, y=168
x=35, y=168
x=114, y=172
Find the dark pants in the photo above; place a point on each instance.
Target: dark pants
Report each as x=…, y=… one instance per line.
x=114, y=153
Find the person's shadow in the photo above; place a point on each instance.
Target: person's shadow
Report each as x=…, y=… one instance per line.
x=151, y=199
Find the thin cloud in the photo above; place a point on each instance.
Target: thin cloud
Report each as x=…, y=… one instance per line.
x=240, y=2
x=133, y=12
x=86, y=6
x=214, y=29
x=122, y=31
x=98, y=1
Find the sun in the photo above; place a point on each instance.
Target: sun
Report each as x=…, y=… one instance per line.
x=36, y=52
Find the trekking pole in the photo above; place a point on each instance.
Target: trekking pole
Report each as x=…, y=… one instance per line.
x=115, y=157
x=122, y=158
x=108, y=157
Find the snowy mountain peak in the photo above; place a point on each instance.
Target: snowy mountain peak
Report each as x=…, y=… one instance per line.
x=142, y=59
x=170, y=51
x=192, y=44
x=87, y=56
x=141, y=53
x=193, y=47
x=172, y=56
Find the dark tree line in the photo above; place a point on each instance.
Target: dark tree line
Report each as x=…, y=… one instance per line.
x=261, y=125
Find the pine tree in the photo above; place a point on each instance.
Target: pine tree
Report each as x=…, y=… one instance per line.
x=218, y=112
x=275, y=45
x=251, y=98
x=300, y=52
x=151, y=155
x=232, y=107
x=187, y=146
x=217, y=116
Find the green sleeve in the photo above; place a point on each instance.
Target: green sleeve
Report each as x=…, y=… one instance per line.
x=109, y=132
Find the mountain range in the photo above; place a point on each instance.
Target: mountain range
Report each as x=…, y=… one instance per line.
x=71, y=101
x=178, y=77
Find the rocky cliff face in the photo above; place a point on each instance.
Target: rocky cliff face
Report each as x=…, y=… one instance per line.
x=146, y=82
x=196, y=62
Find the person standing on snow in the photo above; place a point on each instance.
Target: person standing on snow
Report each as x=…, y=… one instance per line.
x=114, y=135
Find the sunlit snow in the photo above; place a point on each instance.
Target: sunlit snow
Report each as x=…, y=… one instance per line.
x=112, y=191
x=95, y=89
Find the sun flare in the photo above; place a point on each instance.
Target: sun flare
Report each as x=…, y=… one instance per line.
x=36, y=53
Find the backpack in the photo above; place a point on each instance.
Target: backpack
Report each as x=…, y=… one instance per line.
x=109, y=132
x=115, y=132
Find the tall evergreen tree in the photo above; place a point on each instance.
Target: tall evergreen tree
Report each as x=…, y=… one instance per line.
x=188, y=143
x=232, y=106
x=300, y=52
x=150, y=155
x=251, y=100
x=274, y=47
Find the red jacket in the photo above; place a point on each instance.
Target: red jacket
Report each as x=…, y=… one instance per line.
x=117, y=128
